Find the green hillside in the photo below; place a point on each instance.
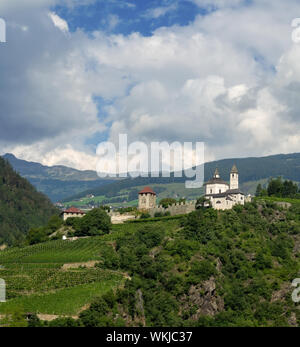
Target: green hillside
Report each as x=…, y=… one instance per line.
x=251, y=172
x=21, y=206
x=208, y=268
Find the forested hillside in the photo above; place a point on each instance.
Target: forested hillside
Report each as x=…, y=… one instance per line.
x=207, y=268
x=21, y=206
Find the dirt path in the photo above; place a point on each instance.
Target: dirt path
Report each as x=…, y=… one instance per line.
x=88, y=264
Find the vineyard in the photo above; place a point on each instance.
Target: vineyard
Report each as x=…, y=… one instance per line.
x=37, y=280
x=59, y=251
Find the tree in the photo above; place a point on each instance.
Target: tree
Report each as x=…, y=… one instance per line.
x=105, y=208
x=37, y=235
x=95, y=222
x=54, y=223
x=202, y=202
x=275, y=187
x=289, y=189
x=286, y=189
x=167, y=202
x=258, y=190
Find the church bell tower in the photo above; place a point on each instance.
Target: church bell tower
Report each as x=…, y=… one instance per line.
x=234, y=178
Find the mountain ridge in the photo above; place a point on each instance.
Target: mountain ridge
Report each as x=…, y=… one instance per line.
x=57, y=181
x=21, y=206
x=61, y=183
x=250, y=169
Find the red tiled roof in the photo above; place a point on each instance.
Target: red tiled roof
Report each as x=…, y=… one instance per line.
x=147, y=190
x=73, y=210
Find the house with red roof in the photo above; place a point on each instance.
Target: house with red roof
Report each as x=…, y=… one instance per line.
x=72, y=212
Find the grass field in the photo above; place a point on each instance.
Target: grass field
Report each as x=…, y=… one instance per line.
x=66, y=301
x=37, y=281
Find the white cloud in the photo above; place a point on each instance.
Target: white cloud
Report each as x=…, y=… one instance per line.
x=59, y=22
x=113, y=21
x=217, y=3
x=230, y=78
x=64, y=154
x=161, y=11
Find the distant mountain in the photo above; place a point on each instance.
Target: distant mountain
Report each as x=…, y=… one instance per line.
x=57, y=182
x=251, y=170
x=57, y=172
x=21, y=206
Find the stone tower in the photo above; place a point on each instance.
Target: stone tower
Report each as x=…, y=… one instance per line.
x=234, y=178
x=147, y=199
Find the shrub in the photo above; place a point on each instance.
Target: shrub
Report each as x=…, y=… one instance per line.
x=167, y=202
x=158, y=214
x=37, y=235
x=145, y=215
x=95, y=222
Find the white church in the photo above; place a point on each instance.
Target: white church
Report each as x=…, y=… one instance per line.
x=224, y=196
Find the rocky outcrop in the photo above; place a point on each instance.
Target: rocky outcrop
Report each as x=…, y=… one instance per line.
x=203, y=296
x=139, y=307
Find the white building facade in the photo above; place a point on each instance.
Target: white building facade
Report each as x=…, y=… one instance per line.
x=224, y=196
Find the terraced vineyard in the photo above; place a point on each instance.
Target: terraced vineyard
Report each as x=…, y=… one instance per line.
x=58, y=251
x=38, y=282
x=59, y=277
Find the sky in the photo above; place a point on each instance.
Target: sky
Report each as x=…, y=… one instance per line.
x=74, y=73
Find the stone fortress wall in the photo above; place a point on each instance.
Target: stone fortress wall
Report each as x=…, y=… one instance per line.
x=175, y=209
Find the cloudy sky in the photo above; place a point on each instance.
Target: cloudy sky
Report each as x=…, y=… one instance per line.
x=74, y=73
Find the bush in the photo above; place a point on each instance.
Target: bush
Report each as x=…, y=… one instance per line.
x=167, y=202
x=95, y=222
x=158, y=214
x=37, y=235
x=145, y=215
x=201, y=271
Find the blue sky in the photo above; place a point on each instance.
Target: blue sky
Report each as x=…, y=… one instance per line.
x=132, y=15
x=75, y=73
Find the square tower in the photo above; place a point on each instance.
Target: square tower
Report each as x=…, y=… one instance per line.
x=147, y=199
x=234, y=178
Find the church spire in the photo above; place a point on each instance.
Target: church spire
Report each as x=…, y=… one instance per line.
x=216, y=174
x=234, y=169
